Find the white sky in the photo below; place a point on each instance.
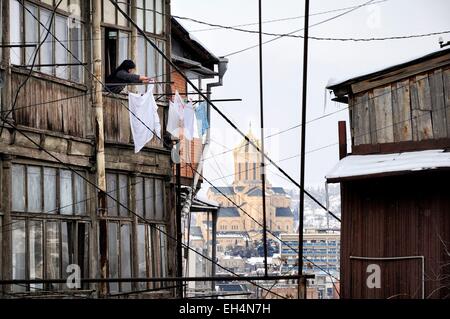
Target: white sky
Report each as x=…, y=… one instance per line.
x=283, y=69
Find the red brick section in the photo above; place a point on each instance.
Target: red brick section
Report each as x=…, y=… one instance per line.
x=195, y=147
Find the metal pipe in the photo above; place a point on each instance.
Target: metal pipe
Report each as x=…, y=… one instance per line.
x=50, y=65
x=145, y=279
x=303, y=150
x=261, y=110
x=399, y=258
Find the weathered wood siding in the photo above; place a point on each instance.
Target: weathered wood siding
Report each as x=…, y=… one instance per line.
x=416, y=108
x=60, y=113
x=117, y=121
x=396, y=217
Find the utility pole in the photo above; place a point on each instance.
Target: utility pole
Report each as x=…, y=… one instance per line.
x=302, y=282
x=263, y=173
x=100, y=144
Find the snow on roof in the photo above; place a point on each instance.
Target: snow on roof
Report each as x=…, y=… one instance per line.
x=363, y=165
x=332, y=82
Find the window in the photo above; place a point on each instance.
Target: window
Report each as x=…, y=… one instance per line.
x=150, y=15
x=119, y=255
x=116, y=49
x=149, y=200
x=117, y=186
x=149, y=61
x=36, y=189
x=34, y=21
x=42, y=249
x=152, y=253
x=111, y=15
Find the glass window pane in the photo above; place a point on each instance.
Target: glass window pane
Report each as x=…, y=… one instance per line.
x=61, y=33
x=149, y=16
x=140, y=65
x=111, y=188
x=151, y=61
x=67, y=237
x=139, y=193
x=113, y=255
x=125, y=255
x=80, y=194
x=34, y=189
x=150, y=253
x=109, y=12
x=18, y=253
x=18, y=188
x=140, y=13
x=46, y=50
x=142, y=259
x=163, y=253
x=31, y=33
x=50, y=191
x=121, y=20
x=123, y=47
x=159, y=17
x=76, y=46
x=36, y=253
x=159, y=199
x=149, y=199
x=16, y=32
x=123, y=194
x=83, y=249
x=52, y=253
x=65, y=191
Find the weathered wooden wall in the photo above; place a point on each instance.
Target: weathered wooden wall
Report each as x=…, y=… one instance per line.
x=396, y=216
x=117, y=121
x=415, y=108
x=63, y=115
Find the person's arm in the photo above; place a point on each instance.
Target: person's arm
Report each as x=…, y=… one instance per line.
x=129, y=77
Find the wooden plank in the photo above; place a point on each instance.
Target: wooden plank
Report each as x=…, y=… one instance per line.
x=438, y=113
x=421, y=107
x=383, y=114
x=361, y=120
x=446, y=77
x=372, y=119
x=401, y=108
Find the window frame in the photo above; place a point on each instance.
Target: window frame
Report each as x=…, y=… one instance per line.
x=42, y=31
x=57, y=212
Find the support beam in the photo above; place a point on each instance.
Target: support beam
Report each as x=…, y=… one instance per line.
x=100, y=145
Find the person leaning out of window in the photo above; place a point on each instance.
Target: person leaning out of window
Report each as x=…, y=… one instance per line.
x=124, y=74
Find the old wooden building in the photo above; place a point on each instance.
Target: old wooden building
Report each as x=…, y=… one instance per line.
x=52, y=150
x=395, y=199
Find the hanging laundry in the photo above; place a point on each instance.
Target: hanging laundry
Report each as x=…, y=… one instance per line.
x=189, y=119
x=202, y=118
x=175, y=116
x=181, y=117
x=144, y=119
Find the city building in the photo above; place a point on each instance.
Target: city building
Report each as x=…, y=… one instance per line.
x=321, y=251
x=395, y=205
x=246, y=191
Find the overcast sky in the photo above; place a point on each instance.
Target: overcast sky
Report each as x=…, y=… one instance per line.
x=283, y=70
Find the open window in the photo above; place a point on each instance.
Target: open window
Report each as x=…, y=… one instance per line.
x=116, y=49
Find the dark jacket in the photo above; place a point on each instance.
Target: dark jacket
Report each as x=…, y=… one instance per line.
x=121, y=76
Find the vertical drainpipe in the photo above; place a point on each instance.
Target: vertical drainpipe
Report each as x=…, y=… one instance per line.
x=223, y=66
x=100, y=144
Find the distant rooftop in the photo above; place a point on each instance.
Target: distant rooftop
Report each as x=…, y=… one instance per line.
x=228, y=212
x=283, y=212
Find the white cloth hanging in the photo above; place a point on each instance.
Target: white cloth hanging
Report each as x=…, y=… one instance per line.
x=144, y=119
x=181, y=117
x=189, y=119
